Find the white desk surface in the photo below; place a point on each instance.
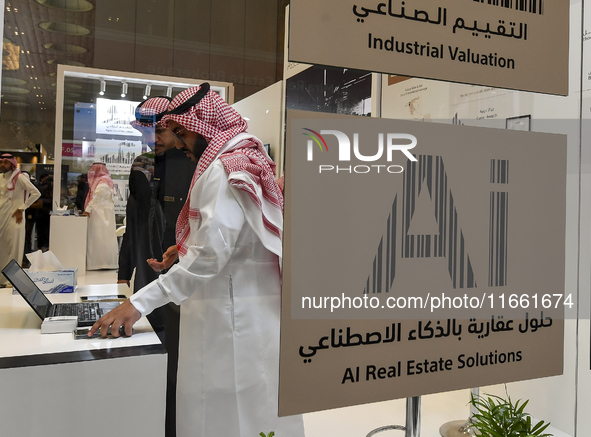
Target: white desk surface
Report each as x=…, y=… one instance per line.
x=20, y=332
x=49, y=380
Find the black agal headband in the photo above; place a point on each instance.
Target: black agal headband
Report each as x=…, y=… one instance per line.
x=196, y=98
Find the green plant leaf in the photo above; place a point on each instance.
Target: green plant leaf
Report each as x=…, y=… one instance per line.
x=520, y=410
x=542, y=429
x=499, y=417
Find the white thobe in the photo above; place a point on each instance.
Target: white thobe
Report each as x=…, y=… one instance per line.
x=101, y=241
x=228, y=286
x=12, y=234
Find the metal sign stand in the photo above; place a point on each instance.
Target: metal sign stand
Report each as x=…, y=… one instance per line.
x=413, y=420
x=460, y=428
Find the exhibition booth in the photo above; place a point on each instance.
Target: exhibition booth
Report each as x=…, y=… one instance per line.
x=423, y=182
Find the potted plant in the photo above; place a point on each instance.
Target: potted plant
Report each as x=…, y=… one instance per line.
x=498, y=417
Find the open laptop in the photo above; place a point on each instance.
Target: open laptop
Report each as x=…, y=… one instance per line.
x=87, y=313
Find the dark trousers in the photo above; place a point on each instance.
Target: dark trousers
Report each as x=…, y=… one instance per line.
x=165, y=322
x=29, y=237
x=42, y=230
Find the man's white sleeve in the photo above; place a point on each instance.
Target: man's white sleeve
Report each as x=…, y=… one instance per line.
x=211, y=246
x=33, y=192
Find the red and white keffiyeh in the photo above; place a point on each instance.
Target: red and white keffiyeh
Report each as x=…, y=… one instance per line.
x=218, y=123
x=98, y=174
x=149, y=113
x=15, y=172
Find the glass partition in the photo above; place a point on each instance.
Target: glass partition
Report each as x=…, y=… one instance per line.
x=94, y=125
x=561, y=400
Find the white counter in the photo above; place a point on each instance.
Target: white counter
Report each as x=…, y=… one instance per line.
x=55, y=385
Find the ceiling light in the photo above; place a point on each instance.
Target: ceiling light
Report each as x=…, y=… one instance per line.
x=147, y=91
x=22, y=104
x=14, y=90
x=103, y=88
x=65, y=48
x=169, y=91
x=65, y=62
x=13, y=81
x=68, y=5
x=67, y=28
x=124, y=89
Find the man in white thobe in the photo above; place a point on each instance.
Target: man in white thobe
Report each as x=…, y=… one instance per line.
x=227, y=280
x=101, y=241
x=17, y=193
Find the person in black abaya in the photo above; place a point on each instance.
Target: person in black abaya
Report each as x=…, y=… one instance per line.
x=158, y=185
x=145, y=226
x=82, y=192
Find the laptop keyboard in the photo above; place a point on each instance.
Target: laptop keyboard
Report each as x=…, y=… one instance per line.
x=84, y=311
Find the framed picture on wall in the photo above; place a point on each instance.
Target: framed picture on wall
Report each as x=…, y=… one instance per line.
x=518, y=123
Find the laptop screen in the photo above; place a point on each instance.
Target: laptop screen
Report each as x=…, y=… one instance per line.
x=27, y=288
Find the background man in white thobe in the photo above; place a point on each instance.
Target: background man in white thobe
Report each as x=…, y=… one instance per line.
x=101, y=241
x=17, y=193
